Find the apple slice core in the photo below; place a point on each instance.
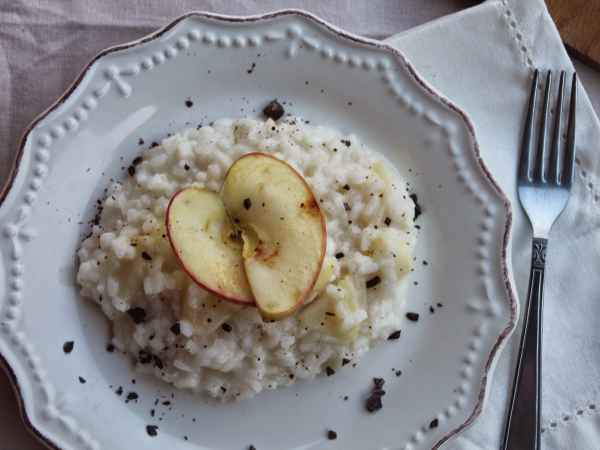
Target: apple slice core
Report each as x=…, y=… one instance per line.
x=283, y=229
x=206, y=243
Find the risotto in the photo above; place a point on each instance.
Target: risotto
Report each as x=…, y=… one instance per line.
x=188, y=337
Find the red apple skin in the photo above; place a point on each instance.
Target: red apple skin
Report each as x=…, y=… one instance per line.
x=216, y=292
x=314, y=204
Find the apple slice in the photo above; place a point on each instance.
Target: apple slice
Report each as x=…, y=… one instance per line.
x=207, y=245
x=283, y=230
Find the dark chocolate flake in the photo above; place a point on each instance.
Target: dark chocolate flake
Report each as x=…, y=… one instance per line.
x=131, y=396
x=82, y=380
x=119, y=391
x=345, y=361
x=137, y=314
x=413, y=317
x=176, y=329
x=373, y=282
x=274, y=110
x=144, y=357
x=418, y=209
x=110, y=348
x=158, y=362
x=433, y=424
x=331, y=435
x=247, y=203
x=395, y=335
x=152, y=430
x=68, y=347
x=131, y=170
x=189, y=103
x=339, y=255
x=347, y=207
x=329, y=371
x=137, y=161
x=347, y=187
x=226, y=327
x=387, y=221
x=146, y=256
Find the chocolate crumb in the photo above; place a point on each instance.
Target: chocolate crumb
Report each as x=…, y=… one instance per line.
x=158, y=362
x=152, y=413
x=346, y=142
x=374, y=402
x=140, y=141
x=110, y=348
x=339, y=255
x=82, y=380
x=137, y=314
x=418, y=209
x=131, y=396
x=68, y=347
x=387, y=221
x=425, y=263
x=131, y=170
x=247, y=203
x=347, y=207
x=398, y=373
x=152, y=430
x=166, y=403
x=433, y=424
x=413, y=317
x=251, y=447
x=189, y=103
x=331, y=435
x=176, y=329
x=431, y=309
x=226, y=327
x=373, y=282
x=146, y=256
x=345, y=361
x=395, y=335
x=137, y=161
x=346, y=398
x=329, y=371
x=119, y=391
x=439, y=305
x=154, y=144
x=347, y=187
x=186, y=166
x=144, y=357
x=274, y=110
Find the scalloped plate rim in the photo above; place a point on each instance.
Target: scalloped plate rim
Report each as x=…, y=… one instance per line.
x=509, y=288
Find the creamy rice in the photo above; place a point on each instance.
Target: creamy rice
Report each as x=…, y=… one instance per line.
x=188, y=337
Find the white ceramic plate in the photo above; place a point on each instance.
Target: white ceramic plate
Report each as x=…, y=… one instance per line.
x=230, y=67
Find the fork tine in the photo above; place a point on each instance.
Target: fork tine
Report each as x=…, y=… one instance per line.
x=570, y=150
x=554, y=160
x=540, y=166
x=524, y=164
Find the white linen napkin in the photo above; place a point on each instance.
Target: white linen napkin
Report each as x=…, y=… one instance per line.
x=482, y=59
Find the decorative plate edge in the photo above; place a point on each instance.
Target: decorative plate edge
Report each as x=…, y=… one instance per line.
x=398, y=56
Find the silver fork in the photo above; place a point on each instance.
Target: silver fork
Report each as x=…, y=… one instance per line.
x=544, y=184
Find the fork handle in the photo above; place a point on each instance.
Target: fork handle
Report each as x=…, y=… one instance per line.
x=523, y=423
